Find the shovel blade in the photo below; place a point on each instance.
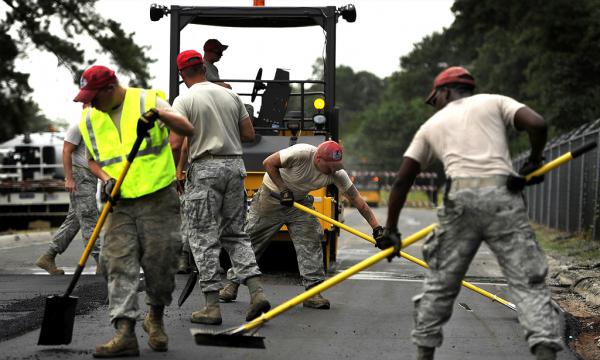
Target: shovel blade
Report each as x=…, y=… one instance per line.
x=189, y=286
x=59, y=317
x=212, y=338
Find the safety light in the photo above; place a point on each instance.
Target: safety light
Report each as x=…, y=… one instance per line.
x=158, y=11
x=319, y=104
x=348, y=12
x=319, y=120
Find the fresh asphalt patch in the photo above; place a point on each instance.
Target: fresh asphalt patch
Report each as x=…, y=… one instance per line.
x=22, y=316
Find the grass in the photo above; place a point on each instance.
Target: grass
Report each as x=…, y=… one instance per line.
x=557, y=243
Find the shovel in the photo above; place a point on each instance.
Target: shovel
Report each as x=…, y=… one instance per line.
x=59, y=313
x=243, y=335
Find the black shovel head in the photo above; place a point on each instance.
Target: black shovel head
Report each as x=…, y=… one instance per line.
x=59, y=317
x=213, y=338
x=189, y=286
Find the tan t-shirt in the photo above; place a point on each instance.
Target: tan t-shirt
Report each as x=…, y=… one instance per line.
x=216, y=113
x=301, y=175
x=468, y=136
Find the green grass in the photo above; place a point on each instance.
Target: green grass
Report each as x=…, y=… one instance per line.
x=557, y=243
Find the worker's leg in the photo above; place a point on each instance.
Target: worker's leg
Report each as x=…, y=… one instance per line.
x=120, y=258
x=86, y=207
x=158, y=228
x=524, y=265
x=233, y=237
x=306, y=233
x=67, y=230
x=204, y=197
x=448, y=252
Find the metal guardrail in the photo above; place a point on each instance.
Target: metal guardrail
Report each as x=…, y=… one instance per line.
x=569, y=197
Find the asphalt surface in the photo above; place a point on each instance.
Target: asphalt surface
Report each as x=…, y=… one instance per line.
x=371, y=314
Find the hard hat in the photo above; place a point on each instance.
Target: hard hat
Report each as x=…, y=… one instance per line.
x=451, y=75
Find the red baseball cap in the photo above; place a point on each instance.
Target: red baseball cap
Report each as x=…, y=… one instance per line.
x=188, y=58
x=451, y=75
x=94, y=79
x=214, y=44
x=330, y=151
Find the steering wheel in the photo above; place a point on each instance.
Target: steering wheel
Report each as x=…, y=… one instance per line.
x=258, y=85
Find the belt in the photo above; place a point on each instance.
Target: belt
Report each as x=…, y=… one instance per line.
x=478, y=182
x=211, y=156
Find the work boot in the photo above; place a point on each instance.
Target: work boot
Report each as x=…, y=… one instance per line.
x=229, y=292
x=317, y=302
x=258, y=301
x=153, y=324
x=211, y=313
x=425, y=353
x=124, y=343
x=47, y=263
x=544, y=352
x=183, y=263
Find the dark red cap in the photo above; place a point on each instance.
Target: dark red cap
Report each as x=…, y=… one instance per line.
x=94, y=79
x=330, y=151
x=451, y=75
x=214, y=44
x=188, y=58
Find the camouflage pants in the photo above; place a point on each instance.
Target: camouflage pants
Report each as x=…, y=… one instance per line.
x=216, y=211
x=266, y=217
x=83, y=213
x=499, y=218
x=141, y=232
x=185, y=245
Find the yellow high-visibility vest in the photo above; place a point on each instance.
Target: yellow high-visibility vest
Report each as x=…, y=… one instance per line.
x=153, y=167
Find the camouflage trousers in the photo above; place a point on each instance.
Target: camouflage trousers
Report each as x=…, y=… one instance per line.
x=141, y=232
x=497, y=217
x=185, y=245
x=266, y=217
x=83, y=213
x=215, y=207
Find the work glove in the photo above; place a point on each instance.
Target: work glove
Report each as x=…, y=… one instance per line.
x=388, y=239
x=516, y=184
x=107, y=188
x=378, y=233
x=286, y=198
x=146, y=122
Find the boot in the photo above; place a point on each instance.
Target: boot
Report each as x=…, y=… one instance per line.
x=153, y=324
x=229, y=292
x=258, y=301
x=211, y=313
x=425, y=353
x=317, y=302
x=544, y=352
x=124, y=343
x=47, y=263
x=183, y=263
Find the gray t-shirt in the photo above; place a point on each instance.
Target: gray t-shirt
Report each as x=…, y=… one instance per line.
x=300, y=174
x=79, y=157
x=468, y=136
x=212, y=73
x=216, y=113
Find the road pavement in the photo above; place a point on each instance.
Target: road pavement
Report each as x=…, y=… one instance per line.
x=371, y=314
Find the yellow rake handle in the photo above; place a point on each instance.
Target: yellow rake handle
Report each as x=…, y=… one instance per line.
x=405, y=242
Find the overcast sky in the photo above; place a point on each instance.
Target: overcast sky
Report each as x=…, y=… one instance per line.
x=383, y=31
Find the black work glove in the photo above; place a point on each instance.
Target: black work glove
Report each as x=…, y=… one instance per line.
x=286, y=198
x=388, y=239
x=107, y=188
x=378, y=233
x=146, y=122
x=529, y=167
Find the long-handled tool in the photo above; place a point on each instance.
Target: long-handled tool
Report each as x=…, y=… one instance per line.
x=405, y=242
x=59, y=313
x=242, y=336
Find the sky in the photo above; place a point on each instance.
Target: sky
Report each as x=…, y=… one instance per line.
x=384, y=31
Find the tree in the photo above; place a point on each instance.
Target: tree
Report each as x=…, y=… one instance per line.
x=32, y=23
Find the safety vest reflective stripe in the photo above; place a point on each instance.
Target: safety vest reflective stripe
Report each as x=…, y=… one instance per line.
x=153, y=149
x=88, y=124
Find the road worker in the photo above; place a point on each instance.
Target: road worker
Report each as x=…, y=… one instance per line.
x=213, y=51
x=143, y=229
x=290, y=175
x=215, y=197
x=483, y=203
x=83, y=211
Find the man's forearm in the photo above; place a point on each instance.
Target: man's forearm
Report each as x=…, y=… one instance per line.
x=354, y=196
x=97, y=171
x=67, y=164
x=178, y=123
x=538, y=139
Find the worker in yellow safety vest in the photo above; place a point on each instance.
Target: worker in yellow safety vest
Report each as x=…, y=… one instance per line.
x=143, y=229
